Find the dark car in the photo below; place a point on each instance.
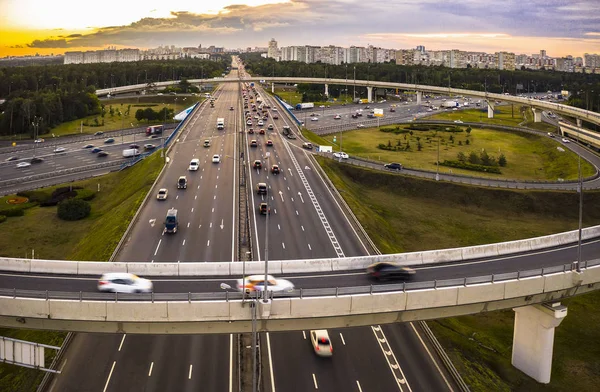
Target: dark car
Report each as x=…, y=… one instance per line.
x=11, y=159
x=264, y=209
x=36, y=160
x=102, y=154
x=385, y=270
x=257, y=164
x=307, y=145
x=109, y=140
x=96, y=149
x=88, y=146
x=99, y=133
x=134, y=146
x=393, y=166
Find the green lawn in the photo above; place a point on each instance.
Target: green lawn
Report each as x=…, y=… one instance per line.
x=529, y=157
x=93, y=238
x=293, y=98
x=403, y=214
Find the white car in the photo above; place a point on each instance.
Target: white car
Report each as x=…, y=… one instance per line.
x=458, y=121
x=249, y=122
x=23, y=164
x=194, y=164
x=162, y=194
x=260, y=123
x=314, y=119
x=38, y=141
x=216, y=158
x=123, y=282
x=341, y=155
x=360, y=126
x=257, y=283
x=321, y=343
x=565, y=140
x=337, y=117
x=60, y=149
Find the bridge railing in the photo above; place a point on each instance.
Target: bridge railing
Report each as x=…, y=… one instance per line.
x=298, y=293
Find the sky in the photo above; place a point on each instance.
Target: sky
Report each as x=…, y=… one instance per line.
x=561, y=27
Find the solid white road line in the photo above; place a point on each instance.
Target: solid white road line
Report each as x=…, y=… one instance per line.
x=109, y=375
x=157, y=246
x=230, y=362
x=315, y=381
x=431, y=357
x=304, y=334
x=190, y=374
x=309, y=248
x=342, y=337
x=150, y=371
x=270, y=363
x=358, y=385
x=122, y=340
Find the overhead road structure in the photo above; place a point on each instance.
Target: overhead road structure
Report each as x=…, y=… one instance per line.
x=537, y=105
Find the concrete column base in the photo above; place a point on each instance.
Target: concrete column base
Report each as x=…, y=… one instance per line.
x=579, y=122
x=327, y=90
x=273, y=88
x=537, y=115
x=419, y=97
x=264, y=308
x=533, y=339
x=370, y=94
x=490, y=109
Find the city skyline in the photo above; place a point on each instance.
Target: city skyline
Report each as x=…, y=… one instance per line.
x=560, y=27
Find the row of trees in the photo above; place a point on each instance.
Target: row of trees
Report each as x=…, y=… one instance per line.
x=585, y=88
x=45, y=96
x=150, y=114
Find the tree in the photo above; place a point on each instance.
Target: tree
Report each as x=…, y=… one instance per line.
x=485, y=158
x=502, y=160
x=467, y=142
x=474, y=158
x=149, y=114
x=451, y=138
x=73, y=209
x=139, y=114
x=468, y=130
x=461, y=157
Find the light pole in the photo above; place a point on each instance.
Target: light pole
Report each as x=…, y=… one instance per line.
x=265, y=292
x=354, y=92
x=437, y=173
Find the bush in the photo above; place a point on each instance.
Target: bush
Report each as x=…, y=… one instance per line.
x=36, y=196
x=59, y=195
x=2, y=218
x=73, y=209
x=14, y=210
x=471, y=166
x=85, y=194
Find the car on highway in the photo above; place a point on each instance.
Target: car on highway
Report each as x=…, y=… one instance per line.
x=275, y=116
x=393, y=166
x=551, y=134
x=194, y=164
x=264, y=209
x=260, y=123
x=388, y=270
x=307, y=145
x=123, y=282
x=231, y=108
x=337, y=117
x=162, y=194
x=275, y=169
x=253, y=143
x=59, y=150
x=96, y=150
x=38, y=140
x=262, y=131
x=133, y=145
x=321, y=343
x=149, y=146
x=109, y=140
x=340, y=155
x=88, y=146
x=269, y=143
x=314, y=119
x=257, y=164
x=270, y=127
x=565, y=140
x=354, y=115
x=102, y=154
x=98, y=133
x=23, y=164
x=251, y=131
x=458, y=121
x=360, y=126
x=261, y=188
x=254, y=283
x=216, y=158
x=36, y=160
x=13, y=158
x=249, y=122
x=182, y=182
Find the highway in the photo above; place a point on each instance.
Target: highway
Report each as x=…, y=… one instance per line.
x=207, y=232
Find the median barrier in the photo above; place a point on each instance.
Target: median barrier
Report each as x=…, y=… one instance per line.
x=16, y=265
x=442, y=256
x=186, y=311
x=87, y=310
x=316, y=265
x=99, y=267
x=428, y=298
x=481, y=251
x=54, y=267
x=412, y=258
x=524, y=287
x=281, y=308
x=590, y=232
x=21, y=307
x=153, y=269
x=379, y=302
x=195, y=269
x=350, y=263
x=519, y=246
x=254, y=268
x=137, y=311
x=561, y=281
x=480, y=292
x=320, y=306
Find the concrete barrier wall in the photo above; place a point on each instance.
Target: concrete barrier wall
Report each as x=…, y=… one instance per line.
x=143, y=314
x=278, y=267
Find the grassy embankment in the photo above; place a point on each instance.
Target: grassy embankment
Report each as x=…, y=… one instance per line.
x=116, y=121
x=529, y=157
x=93, y=238
x=292, y=97
x=400, y=218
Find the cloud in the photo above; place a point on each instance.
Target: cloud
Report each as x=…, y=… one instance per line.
x=49, y=43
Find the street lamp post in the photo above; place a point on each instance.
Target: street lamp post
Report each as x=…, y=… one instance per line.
x=265, y=292
x=437, y=173
x=354, y=92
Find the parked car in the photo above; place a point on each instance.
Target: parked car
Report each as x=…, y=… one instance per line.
x=393, y=166
x=388, y=270
x=122, y=282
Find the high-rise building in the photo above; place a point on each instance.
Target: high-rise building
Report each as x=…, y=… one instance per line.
x=543, y=54
x=505, y=61
x=273, y=51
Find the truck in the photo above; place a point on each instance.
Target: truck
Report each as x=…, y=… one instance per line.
x=154, y=130
x=171, y=222
x=131, y=152
x=450, y=104
x=305, y=105
x=220, y=123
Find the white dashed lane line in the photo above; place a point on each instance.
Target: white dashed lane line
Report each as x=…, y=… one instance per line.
x=150, y=371
x=315, y=381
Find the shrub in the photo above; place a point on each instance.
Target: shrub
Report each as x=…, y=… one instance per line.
x=14, y=211
x=85, y=194
x=59, y=195
x=36, y=196
x=470, y=166
x=73, y=209
x=2, y=218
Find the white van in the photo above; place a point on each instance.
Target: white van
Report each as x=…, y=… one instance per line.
x=194, y=164
x=131, y=152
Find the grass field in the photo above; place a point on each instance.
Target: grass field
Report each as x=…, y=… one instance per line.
x=292, y=97
x=93, y=238
x=529, y=157
x=399, y=218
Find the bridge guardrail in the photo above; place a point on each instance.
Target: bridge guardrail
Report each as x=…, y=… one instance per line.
x=296, y=293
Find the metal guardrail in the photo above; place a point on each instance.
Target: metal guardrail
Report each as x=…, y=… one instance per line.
x=296, y=293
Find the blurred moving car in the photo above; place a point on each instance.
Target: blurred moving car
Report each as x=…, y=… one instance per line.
x=162, y=194
x=13, y=158
x=264, y=209
x=216, y=158
x=275, y=169
x=23, y=164
x=341, y=155
x=388, y=270
x=36, y=160
x=96, y=150
x=59, y=150
x=123, y=282
x=337, y=117
x=88, y=146
x=98, y=133
x=321, y=342
x=565, y=140
x=149, y=146
x=307, y=145
x=102, y=154
x=314, y=119
x=257, y=283
x=109, y=140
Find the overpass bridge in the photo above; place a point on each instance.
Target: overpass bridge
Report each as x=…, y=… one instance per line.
x=537, y=105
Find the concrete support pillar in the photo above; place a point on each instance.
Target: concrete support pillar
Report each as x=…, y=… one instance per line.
x=419, y=97
x=327, y=90
x=490, y=106
x=370, y=94
x=273, y=87
x=579, y=122
x=533, y=339
x=264, y=308
x=537, y=115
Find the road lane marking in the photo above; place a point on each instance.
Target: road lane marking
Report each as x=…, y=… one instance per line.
x=192, y=209
x=292, y=199
x=278, y=226
x=343, y=341
x=188, y=224
x=176, y=197
x=302, y=227
x=210, y=225
x=390, y=358
x=431, y=356
x=283, y=244
x=196, y=197
x=270, y=363
x=208, y=243
x=309, y=248
x=150, y=371
x=157, y=246
x=230, y=362
x=304, y=334
x=109, y=376
x=297, y=212
x=183, y=243
x=315, y=381
x=358, y=385
x=190, y=374
x=122, y=340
